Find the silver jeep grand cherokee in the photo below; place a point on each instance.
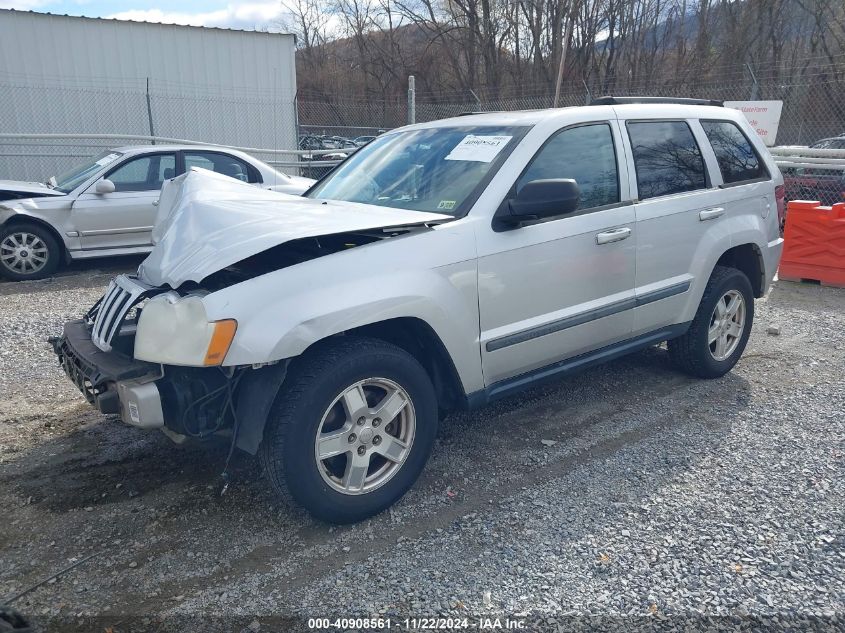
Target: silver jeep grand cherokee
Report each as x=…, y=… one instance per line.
x=444, y=265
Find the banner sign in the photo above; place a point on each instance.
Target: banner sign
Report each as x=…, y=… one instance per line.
x=764, y=116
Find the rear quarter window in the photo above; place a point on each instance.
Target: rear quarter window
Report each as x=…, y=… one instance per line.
x=735, y=155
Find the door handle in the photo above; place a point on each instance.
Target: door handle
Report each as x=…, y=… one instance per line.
x=155, y=203
x=616, y=235
x=711, y=214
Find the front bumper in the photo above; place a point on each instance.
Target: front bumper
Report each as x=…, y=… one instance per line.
x=110, y=381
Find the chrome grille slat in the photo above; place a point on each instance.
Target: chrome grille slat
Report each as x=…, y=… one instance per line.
x=117, y=313
x=122, y=295
x=104, y=317
x=111, y=295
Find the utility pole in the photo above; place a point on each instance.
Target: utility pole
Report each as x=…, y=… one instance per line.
x=150, y=113
x=755, y=87
x=412, y=100
x=563, y=46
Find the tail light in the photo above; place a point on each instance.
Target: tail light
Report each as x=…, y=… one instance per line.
x=780, y=201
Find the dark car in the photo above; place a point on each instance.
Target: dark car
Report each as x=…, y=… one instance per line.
x=836, y=142
x=817, y=183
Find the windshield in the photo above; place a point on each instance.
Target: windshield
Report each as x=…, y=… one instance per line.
x=436, y=169
x=70, y=180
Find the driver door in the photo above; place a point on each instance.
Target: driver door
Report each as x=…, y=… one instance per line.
x=125, y=217
x=560, y=287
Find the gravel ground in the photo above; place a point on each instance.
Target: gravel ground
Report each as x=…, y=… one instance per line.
x=629, y=493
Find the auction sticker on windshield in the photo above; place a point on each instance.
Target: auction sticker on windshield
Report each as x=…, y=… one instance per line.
x=105, y=160
x=482, y=149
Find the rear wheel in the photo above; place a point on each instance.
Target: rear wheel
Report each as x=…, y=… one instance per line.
x=351, y=429
x=721, y=327
x=28, y=251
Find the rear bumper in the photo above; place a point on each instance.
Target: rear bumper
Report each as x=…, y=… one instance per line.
x=771, y=259
x=110, y=381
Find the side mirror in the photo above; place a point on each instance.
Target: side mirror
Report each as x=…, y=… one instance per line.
x=104, y=186
x=540, y=199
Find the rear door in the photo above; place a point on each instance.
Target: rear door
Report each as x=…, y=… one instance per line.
x=221, y=163
x=125, y=217
x=674, y=209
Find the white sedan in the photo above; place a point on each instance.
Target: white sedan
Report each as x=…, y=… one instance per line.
x=107, y=206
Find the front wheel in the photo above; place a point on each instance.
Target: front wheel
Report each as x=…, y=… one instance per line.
x=719, y=332
x=28, y=251
x=351, y=430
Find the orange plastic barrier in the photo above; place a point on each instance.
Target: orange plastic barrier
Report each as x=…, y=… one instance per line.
x=814, y=243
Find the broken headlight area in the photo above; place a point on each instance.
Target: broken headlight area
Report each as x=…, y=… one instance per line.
x=175, y=330
x=191, y=402
x=199, y=402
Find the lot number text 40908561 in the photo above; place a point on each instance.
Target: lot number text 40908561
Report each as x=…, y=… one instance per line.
x=418, y=624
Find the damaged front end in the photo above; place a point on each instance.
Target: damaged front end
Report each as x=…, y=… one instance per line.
x=148, y=350
x=97, y=354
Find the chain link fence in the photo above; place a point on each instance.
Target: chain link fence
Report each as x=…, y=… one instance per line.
x=812, y=109
x=272, y=126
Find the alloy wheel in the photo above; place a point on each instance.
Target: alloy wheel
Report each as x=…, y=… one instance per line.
x=727, y=324
x=365, y=436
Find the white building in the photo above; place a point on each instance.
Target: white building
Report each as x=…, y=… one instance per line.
x=72, y=75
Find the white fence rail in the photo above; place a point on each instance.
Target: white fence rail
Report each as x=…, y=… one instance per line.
x=812, y=174
x=799, y=157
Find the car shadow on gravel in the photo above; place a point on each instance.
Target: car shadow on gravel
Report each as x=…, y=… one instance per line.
x=111, y=482
x=107, y=462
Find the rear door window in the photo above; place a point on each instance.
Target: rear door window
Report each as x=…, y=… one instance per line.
x=220, y=163
x=736, y=156
x=666, y=157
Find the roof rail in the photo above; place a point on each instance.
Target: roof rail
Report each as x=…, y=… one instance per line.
x=611, y=100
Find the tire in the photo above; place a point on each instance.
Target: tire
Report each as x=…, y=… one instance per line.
x=312, y=401
x=694, y=353
x=20, y=263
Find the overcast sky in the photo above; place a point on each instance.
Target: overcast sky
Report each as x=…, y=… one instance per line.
x=239, y=14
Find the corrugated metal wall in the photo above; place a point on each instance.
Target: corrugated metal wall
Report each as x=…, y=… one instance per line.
x=62, y=74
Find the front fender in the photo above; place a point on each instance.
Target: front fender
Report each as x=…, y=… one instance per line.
x=52, y=212
x=283, y=313
x=8, y=211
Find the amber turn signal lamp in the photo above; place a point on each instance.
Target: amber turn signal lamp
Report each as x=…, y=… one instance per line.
x=221, y=339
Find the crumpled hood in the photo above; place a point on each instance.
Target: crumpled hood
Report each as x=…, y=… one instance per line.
x=207, y=221
x=35, y=188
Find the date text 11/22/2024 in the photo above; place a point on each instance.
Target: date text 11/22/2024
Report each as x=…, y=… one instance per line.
x=418, y=624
